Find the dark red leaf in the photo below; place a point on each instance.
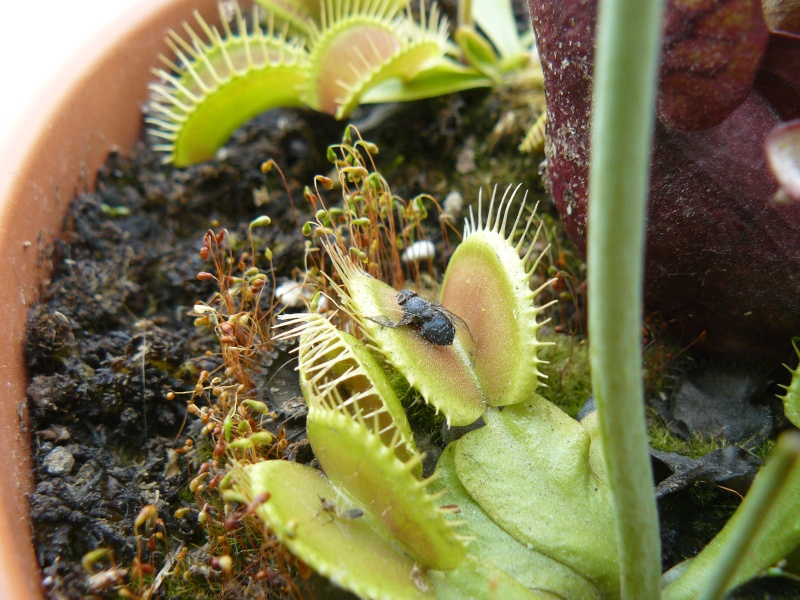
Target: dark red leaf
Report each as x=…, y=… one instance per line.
x=712, y=49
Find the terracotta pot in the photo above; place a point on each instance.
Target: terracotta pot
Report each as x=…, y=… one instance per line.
x=54, y=153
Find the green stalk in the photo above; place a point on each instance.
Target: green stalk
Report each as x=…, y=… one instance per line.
x=464, y=14
x=628, y=43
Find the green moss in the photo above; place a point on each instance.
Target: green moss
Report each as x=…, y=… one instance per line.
x=190, y=587
x=187, y=495
x=568, y=383
x=661, y=439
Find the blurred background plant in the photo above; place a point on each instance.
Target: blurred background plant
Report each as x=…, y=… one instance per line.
x=327, y=55
x=725, y=173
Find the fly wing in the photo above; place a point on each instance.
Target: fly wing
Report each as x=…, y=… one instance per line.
x=458, y=322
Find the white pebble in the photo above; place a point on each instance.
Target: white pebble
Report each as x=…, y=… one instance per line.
x=453, y=203
x=59, y=462
x=292, y=294
x=417, y=251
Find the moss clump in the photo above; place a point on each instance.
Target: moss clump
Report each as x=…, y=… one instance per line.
x=661, y=439
x=567, y=373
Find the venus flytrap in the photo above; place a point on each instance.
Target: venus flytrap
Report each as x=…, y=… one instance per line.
x=561, y=535
x=486, y=281
x=520, y=507
x=373, y=43
x=449, y=384
x=334, y=364
x=791, y=399
x=361, y=438
x=219, y=83
x=534, y=503
x=329, y=55
x=532, y=484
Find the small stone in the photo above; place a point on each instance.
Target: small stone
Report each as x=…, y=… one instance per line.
x=730, y=466
x=59, y=461
x=721, y=402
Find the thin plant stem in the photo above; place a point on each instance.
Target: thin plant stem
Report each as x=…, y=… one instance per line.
x=628, y=43
x=464, y=14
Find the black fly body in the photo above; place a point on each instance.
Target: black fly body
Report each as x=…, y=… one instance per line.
x=433, y=321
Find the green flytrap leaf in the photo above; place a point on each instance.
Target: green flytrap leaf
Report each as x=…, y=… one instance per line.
x=364, y=45
x=479, y=52
x=329, y=55
x=478, y=579
x=437, y=78
x=546, y=488
x=304, y=14
x=443, y=375
x=338, y=373
x=497, y=550
x=352, y=552
x=488, y=285
x=297, y=14
x=221, y=83
x=496, y=19
x=494, y=359
x=791, y=399
x=363, y=442
x=360, y=466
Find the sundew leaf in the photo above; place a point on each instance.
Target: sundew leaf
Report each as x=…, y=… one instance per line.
x=497, y=550
x=216, y=85
x=337, y=372
x=487, y=283
x=542, y=489
x=352, y=552
x=367, y=471
x=443, y=375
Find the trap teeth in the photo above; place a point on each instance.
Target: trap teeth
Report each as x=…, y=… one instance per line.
x=487, y=284
x=385, y=486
